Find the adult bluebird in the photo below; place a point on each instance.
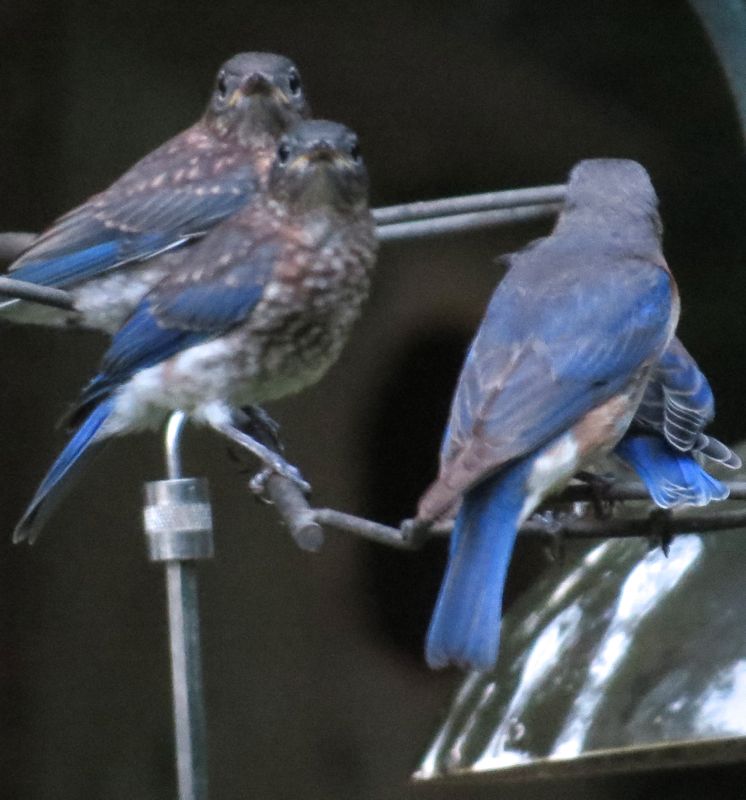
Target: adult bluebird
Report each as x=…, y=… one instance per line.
x=261, y=310
x=552, y=381
x=107, y=252
x=666, y=441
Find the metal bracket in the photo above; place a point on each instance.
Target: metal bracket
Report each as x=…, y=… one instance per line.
x=178, y=520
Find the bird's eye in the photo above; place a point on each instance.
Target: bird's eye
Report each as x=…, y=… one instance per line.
x=294, y=82
x=283, y=153
x=355, y=152
x=222, y=86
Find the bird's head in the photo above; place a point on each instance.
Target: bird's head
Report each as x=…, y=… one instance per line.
x=608, y=189
x=610, y=182
x=318, y=163
x=254, y=94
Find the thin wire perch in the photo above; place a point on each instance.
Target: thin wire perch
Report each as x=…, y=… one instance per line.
x=561, y=518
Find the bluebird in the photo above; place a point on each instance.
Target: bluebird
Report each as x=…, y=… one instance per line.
x=260, y=310
x=666, y=442
x=108, y=252
x=551, y=381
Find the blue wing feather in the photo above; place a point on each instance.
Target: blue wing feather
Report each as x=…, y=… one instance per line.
x=678, y=404
x=531, y=374
x=177, y=316
x=678, y=400
x=66, y=269
x=110, y=231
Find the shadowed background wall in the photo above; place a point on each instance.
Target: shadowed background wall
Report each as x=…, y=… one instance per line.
x=315, y=680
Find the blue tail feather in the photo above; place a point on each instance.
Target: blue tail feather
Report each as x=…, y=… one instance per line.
x=465, y=627
x=61, y=475
x=673, y=478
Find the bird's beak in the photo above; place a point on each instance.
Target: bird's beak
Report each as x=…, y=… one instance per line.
x=260, y=86
x=321, y=153
x=256, y=84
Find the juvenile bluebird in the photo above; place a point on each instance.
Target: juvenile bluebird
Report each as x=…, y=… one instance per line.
x=107, y=252
x=261, y=310
x=551, y=381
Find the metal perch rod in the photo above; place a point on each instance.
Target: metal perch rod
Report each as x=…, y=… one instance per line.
x=178, y=525
x=487, y=201
x=462, y=223
x=652, y=522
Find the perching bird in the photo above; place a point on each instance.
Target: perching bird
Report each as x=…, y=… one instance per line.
x=666, y=440
x=261, y=310
x=108, y=252
x=551, y=381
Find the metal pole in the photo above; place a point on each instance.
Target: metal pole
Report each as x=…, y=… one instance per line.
x=178, y=526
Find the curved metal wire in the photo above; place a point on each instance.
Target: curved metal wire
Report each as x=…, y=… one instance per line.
x=486, y=201
x=172, y=441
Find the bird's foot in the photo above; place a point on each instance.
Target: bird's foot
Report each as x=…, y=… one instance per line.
x=273, y=462
x=415, y=532
x=599, y=487
x=258, y=483
x=660, y=534
x=552, y=521
x=257, y=423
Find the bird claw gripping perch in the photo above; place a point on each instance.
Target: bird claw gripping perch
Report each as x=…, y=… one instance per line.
x=660, y=534
x=599, y=486
x=258, y=484
x=415, y=533
x=257, y=423
x=274, y=462
x=555, y=530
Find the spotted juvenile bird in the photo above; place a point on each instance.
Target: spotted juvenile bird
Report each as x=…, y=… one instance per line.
x=261, y=310
x=551, y=382
x=108, y=252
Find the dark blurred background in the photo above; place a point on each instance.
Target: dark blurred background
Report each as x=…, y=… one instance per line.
x=315, y=680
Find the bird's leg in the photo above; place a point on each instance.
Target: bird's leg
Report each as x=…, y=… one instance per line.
x=273, y=461
x=660, y=534
x=256, y=422
x=599, y=486
x=555, y=530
